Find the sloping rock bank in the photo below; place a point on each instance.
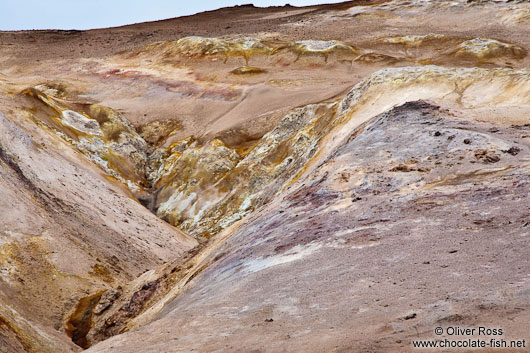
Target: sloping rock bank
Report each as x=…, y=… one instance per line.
x=442, y=155
x=354, y=246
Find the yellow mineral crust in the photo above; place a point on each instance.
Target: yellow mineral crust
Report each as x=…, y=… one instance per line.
x=157, y=131
x=318, y=47
x=415, y=40
x=486, y=48
x=248, y=70
x=28, y=265
x=518, y=14
x=20, y=335
x=196, y=46
x=231, y=187
x=245, y=47
x=98, y=132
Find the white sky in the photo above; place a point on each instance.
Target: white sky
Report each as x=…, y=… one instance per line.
x=86, y=14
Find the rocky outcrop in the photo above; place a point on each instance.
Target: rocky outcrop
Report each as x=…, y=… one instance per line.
x=372, y=211
x=98, y=132
x=67, y=232
x=245, y=47
x=196, y=46
x=485, y=48
x=320, y=48
x=204, y=189
x=454, y=153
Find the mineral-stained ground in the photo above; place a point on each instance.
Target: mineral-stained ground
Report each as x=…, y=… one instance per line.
x=334, y=178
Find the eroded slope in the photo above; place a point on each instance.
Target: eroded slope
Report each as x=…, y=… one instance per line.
x=354, y=248
x=241, y=127
x=67, y=232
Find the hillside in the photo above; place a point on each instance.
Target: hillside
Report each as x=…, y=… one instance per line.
x=342, y=177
